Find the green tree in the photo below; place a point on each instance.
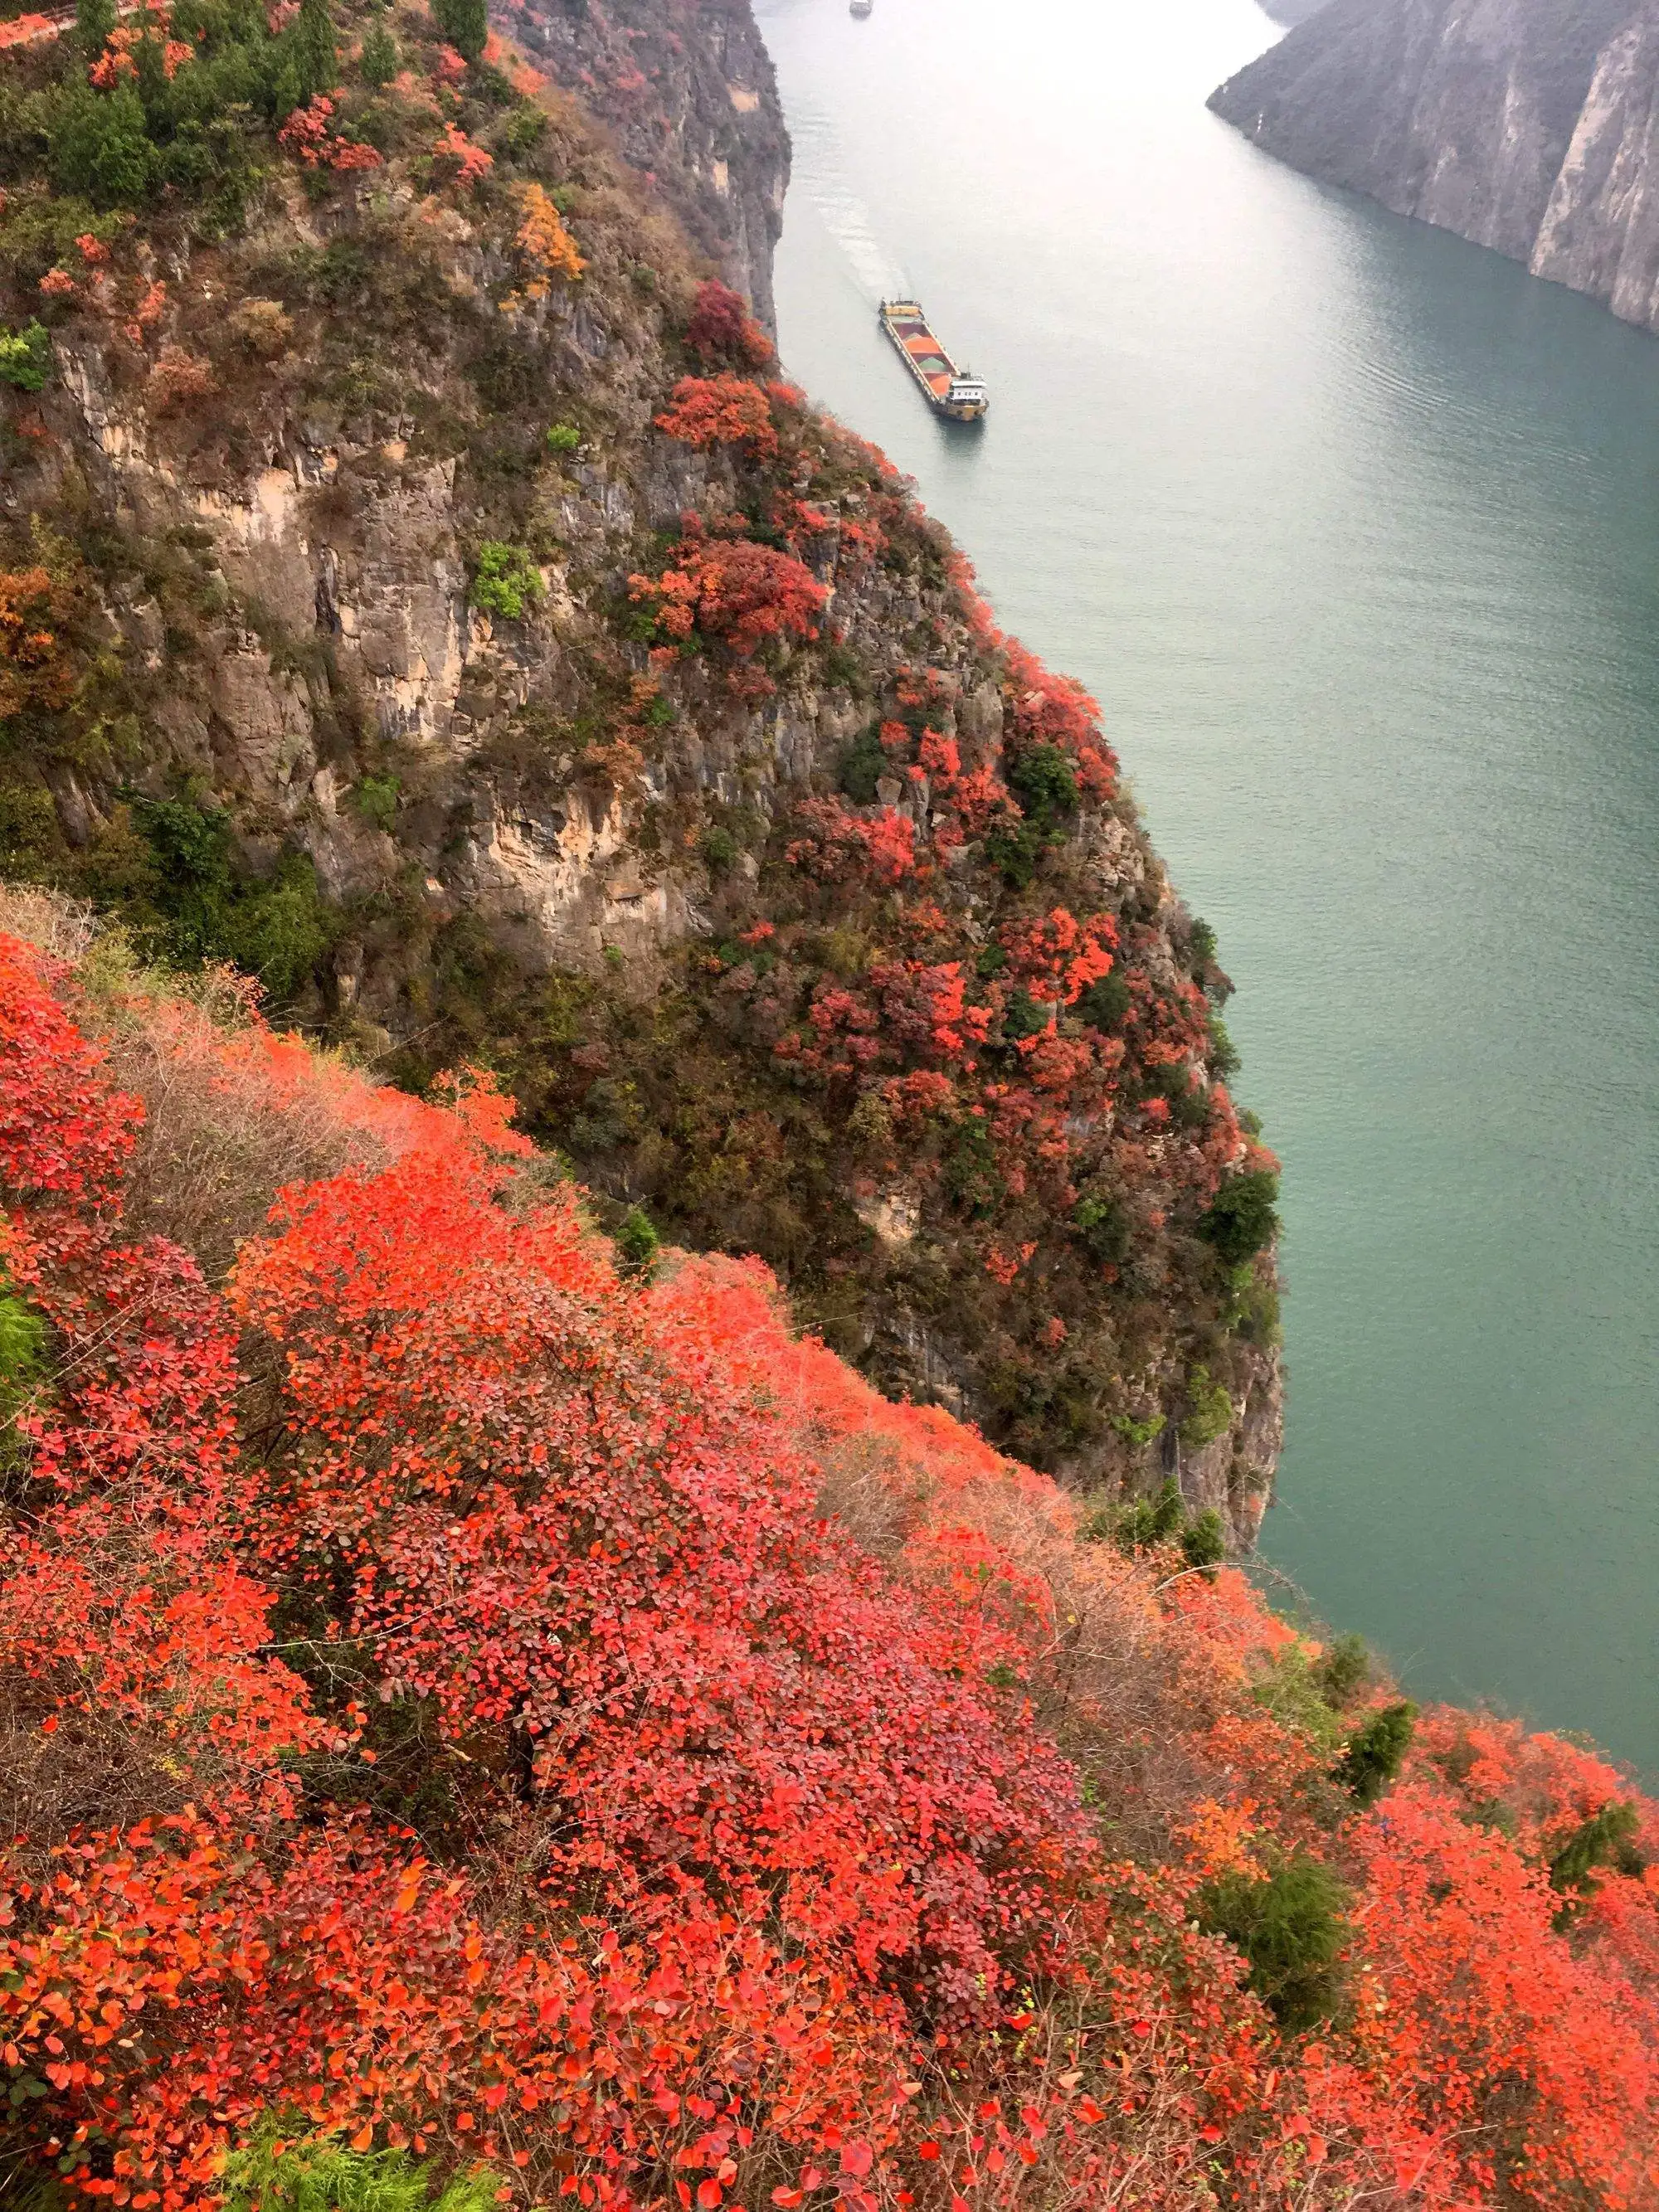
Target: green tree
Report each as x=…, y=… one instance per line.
x=465, y=24
x=1241, y=1219
x=316, y=61
x=638, y=1242
x=25, y=357
x=98, y=145
x=93, y=21
x=380, y=61
x=1375, y=1751
x=1291, y=1928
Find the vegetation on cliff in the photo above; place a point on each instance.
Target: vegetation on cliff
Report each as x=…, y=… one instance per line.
x=420, y=589
x=483, y=1722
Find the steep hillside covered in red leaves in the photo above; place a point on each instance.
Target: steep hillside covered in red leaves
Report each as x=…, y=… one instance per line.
x=419, y=585
x=475, y=1711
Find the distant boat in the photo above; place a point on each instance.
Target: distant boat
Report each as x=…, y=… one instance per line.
x=861, y=9
x=948, y=390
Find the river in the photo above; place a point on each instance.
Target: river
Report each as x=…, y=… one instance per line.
x=1354, y=528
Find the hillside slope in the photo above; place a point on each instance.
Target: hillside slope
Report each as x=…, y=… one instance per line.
x=1525, y=125
x=475, y=1717
x=420, y=589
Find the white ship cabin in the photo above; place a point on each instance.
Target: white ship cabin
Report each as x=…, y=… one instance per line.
x=969, y=391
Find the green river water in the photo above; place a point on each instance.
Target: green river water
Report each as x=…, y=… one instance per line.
x=1354, y=530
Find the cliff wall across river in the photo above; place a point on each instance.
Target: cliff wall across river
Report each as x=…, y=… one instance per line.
x=1529, y=126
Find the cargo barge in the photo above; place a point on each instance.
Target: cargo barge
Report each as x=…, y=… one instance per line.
x=947, y=389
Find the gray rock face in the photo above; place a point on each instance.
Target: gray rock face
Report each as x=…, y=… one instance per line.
x=1529, y=126
x=691, y=99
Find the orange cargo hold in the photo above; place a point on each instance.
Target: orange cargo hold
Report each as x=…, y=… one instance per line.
x=949, y=390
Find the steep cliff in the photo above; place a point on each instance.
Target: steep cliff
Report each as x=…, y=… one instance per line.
x=419, y=588
x=687, y=91
x=1526, y=125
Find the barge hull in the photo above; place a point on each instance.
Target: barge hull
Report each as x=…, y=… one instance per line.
x=945, y=386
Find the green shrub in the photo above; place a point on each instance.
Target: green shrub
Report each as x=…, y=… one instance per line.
x=380, y=61
x=98, y=144
x=1241, y=1221
x=22, y=1352
x=563, y=438
x=862, y=767
x=1014, y=851
x=1044, y=781
x=465, y=24
x=1151, y=1521
x=280, y=931
x=1375, y=1751
x=1204, y=1541
x=1105, y=1003
x=1102, y=1227
x=1290, y=1927
x=506, y=580
x=30, y=839
x=93, y=21
x=1343, y=1670
x=971, y=1175
x=522, y=131
x=719, y=848
x=22, y=1340
x=1252, y=1303
x=637, y=1242
x=376, y=797
x=1210, y=1411
x=1224, y=1061
x=201, y=910
x=1292, y=1690
x=26, y=357
x=311, y=54
x=320, y=2174
x=1607, y=1839
x=1023, y=1017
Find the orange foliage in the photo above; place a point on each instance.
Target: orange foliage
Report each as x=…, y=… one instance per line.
x=34, y=669
x=732, y=590
x=470, y=161
x=178, y=377
x=309, y=135
x=720, y=411
x=756, y=1680
x=544, y=242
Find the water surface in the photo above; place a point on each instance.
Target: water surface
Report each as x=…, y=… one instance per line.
x=1354, y=530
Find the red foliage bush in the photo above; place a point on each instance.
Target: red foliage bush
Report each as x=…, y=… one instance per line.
x=310, y=136
x=734, y=590
x=722, y=331
x=720, y=411
x=791, y=1894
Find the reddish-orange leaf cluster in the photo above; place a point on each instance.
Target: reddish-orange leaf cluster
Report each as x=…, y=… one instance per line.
x=778, y=1888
